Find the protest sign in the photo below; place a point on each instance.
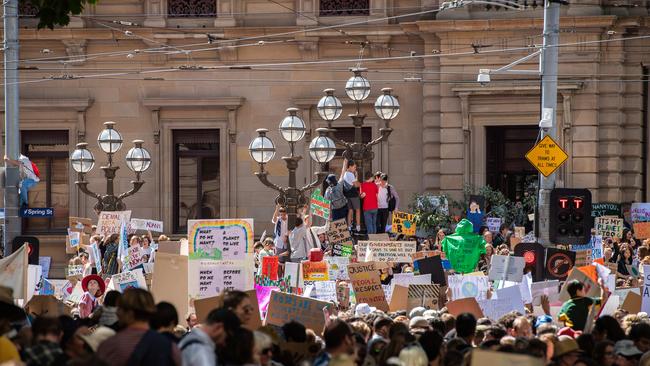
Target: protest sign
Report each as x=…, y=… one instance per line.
x=591, y=289
x=549, y=288
x=399, y=298
x=612, y=304
x=109, y=222
x=605, y=209
x=432, y=265
x=80, y=224
x=426, y=253
x=427, y=296
x=608, y=226
x=209, y=278
x=75, y=272
x=74, y=239
x=169, y=282
x=583, y=257
x=506, y=268
x=169, y=246
x=293, y=272
x=95, y=256
x=147, y=225
x=315, y=271
x=513, y=294
x=318, y=205
x=645, y=292
x=366, y=285
x=129, y=279
x=406, y=279
x=203, y=307
x=325, y=290
x=595, y=248
x=387, y=251
x=558, y=263
x=270, y=265
x=263, y=294
x=134, y=258
x=284, y=308
x=465, y=305
x=340, y=239
x=343, y=295
x=496, y=308
x=632, y=303
x=482, y=357
x=641, y=230
x=640, y=212
x=403, y=223
x=468, y=286
x=378, y=237
x=338, y=268
x=493, y=224
x=45, y=263
x=228, y=239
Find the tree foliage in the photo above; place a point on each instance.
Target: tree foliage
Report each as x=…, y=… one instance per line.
x=53, y=13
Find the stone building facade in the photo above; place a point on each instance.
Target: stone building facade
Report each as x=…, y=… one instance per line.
x=127, y=61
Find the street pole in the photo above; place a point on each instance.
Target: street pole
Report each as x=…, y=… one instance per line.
x=12, y=227
x=548, y=126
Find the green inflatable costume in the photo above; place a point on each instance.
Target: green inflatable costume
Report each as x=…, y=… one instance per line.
x=463, y=248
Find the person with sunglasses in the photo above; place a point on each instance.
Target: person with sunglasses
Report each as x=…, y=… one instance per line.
x=239, y=303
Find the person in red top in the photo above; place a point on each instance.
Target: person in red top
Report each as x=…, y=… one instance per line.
x=369, y=193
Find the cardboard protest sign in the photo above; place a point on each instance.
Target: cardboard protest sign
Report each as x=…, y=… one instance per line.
x=468, y=286
x=338, y=268
x=74, y=272
x=403, y=223
x=203, y=307
x=632, y=303
x=426, y=296
x=583, y=257
x=482, y=357
x=147, y=225
x=227, y=239
x=493, y=224
x=74, y=238
x=476, y=211
x=608, y=226
x=169, y=246
x=399, y=298
x=558, y=263
x=315, y=271
x=318, y=205
x=80, y=224
x=366, y=284
x=606, y=209
x=169, y=282
x=387, y=251
x=129, y=279
x=46, y=305
x=640, y=212
x=109, y=222
x=591, y=289
x=270, y=265
x=645, y=291
x=465, y=305
x=426, y=253
x=506, y=268
x=432, y=265
x=378, y=237
x=340, y=239
x=496, y=308
x=284, y=308
x=641, y=230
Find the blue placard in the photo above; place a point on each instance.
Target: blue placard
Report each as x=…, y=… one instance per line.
x=37, y=212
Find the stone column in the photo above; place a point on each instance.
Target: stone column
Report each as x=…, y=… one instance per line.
x=156, y=11
x=431, y=115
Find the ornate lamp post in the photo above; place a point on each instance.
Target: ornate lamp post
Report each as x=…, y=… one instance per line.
x=110, y=141
x=357, y=89
x=321, y=149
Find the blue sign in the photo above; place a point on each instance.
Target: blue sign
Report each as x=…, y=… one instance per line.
x=37, y=212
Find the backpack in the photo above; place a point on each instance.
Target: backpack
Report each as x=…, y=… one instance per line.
x=337, y=197
x=392, y=201
x=35, y=170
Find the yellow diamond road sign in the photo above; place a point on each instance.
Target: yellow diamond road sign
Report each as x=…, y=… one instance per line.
x=547, y=156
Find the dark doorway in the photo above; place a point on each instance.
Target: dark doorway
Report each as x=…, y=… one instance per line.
x=506, y=164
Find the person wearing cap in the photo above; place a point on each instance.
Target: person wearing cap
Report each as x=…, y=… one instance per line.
x=574, y=312
x=418, y=325
x=627, y=354
x=338, y=201
x=565, y=351
x=94, y=287
x=199, y=347
x=363, y=309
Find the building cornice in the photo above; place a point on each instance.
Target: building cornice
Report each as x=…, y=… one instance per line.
x=472, y=25
x=76, y=104
x=217, y=102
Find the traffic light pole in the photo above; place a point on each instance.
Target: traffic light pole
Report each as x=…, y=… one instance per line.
x=548, y=126
x=12, y=224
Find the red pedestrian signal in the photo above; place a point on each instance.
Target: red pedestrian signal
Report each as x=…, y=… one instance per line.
x=571, y=220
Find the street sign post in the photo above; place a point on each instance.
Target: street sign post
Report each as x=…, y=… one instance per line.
x=547, y=156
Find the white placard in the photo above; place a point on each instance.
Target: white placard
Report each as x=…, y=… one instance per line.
x=506, y=268
x=147, y=225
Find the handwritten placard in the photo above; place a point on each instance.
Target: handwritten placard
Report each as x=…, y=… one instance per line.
x=403, y=223
x=608, y=226
x=129, y=279
x=318, y=205
x=135, y=257
x=641, y=230
x=284, y=308
x=506, y=268
x=147, y=225
x=468, y=286
x=315, y=271
x=270, y=265
x=338, y=267
x=74, y=238
x=640, y=212
x=387, y=251
x=493, y=224
x=605, y=209
x=366, y=285
x=74, y=271
x=209, y=278
x=340, y=239
x=229, y=239
x=109, y=222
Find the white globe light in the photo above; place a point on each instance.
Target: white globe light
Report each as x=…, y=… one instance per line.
x=322, y=149
x=329, y=107
x=261, y=148
x=386, y=105
x=110, y=141
x=292, y=127
x=357, y=87
x=82, y=159
x=138, y=158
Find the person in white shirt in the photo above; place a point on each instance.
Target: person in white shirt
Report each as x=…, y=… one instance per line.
x=29, y=176
x=300, y=242
x=351, y=189
x=281, y=231
x=382, y=203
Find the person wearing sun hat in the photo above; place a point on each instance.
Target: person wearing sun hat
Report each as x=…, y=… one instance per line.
x=565, y=351
x=93, y=287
